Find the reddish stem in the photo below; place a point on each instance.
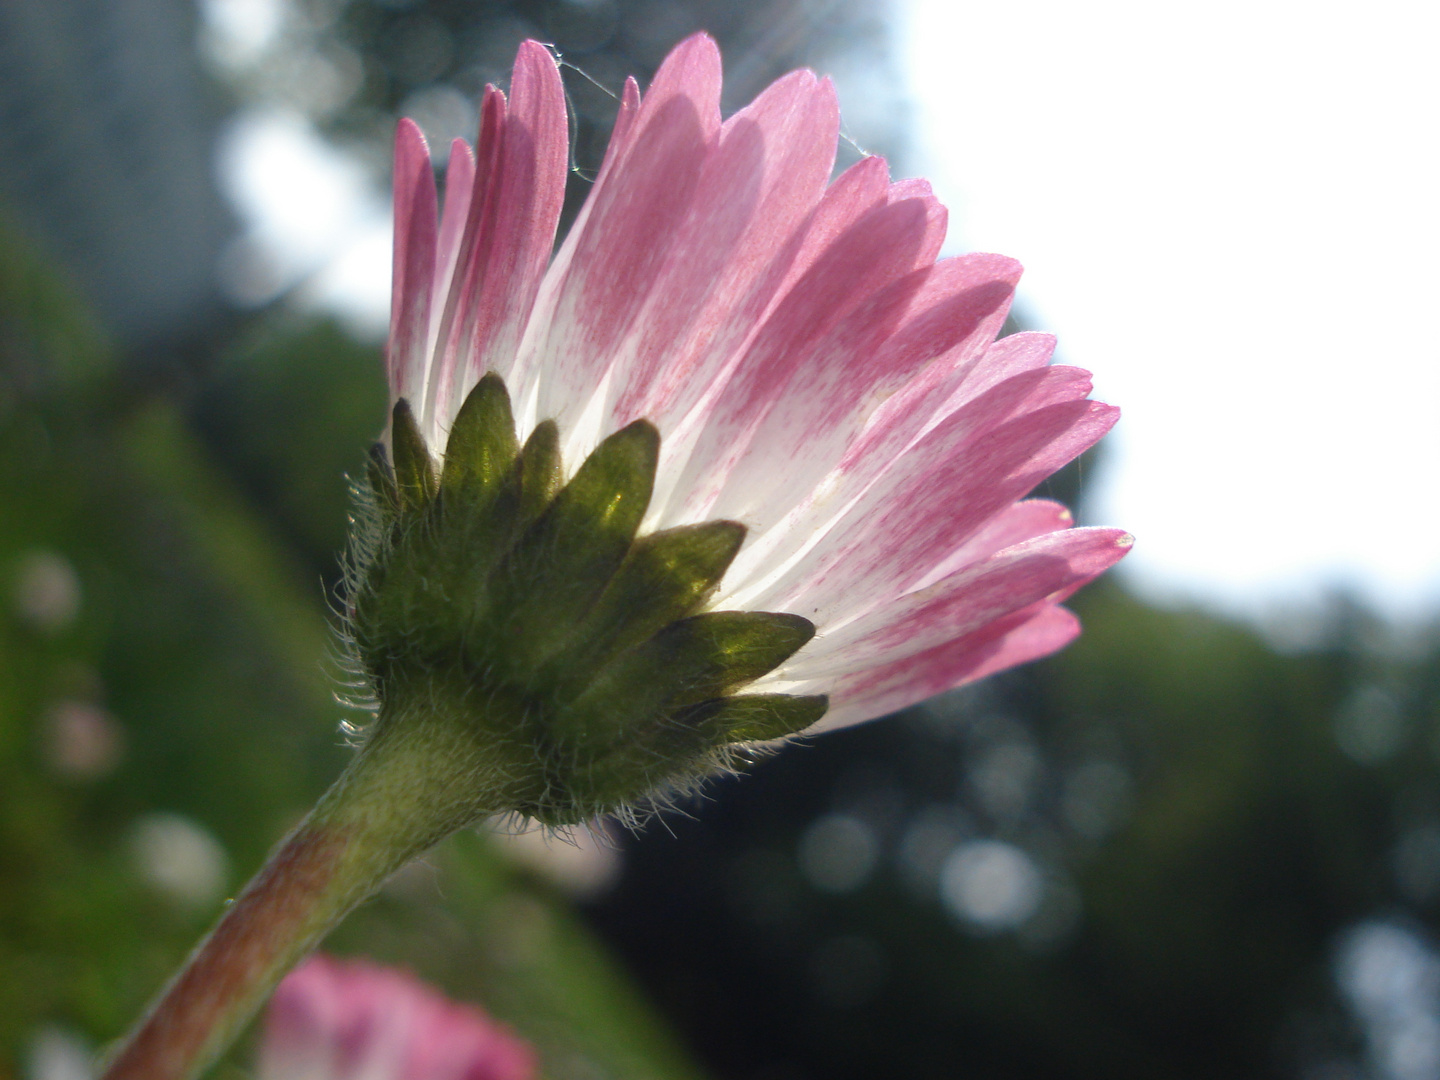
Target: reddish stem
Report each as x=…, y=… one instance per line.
x=417, y=780
x=233, y=960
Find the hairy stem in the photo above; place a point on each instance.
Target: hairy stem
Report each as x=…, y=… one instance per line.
x=415, y=781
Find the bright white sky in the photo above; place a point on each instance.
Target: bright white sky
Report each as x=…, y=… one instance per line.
x=1228, y=212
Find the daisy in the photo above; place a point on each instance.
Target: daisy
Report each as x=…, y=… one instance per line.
x=816, y=393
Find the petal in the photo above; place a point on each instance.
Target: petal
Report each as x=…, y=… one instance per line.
x=958, y=305
x=414, y=263
x=622, y=135
x=529, y=195
x=597, y=287
x=459, y=183
x=855, y=192
x=1010, y=356
x=758, y=186
x=883, y=520
x=963, y=603
x=883, y=690
x=956, y=377
x=881, y=445
x=883, y=246
x=858, y=190
x=510, y=230
x=957, y=478
x=1022, y=521
x=455, y=329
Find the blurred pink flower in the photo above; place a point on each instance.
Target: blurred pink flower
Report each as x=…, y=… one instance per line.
x=814, y=372
x=352, y=1020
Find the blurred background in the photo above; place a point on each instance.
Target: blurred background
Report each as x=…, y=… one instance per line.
x=1204, y=841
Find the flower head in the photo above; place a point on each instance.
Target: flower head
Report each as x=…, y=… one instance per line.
x=774, y=459
x=742, y=460
x=352, y=1020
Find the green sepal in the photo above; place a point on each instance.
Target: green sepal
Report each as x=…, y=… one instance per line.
x=565, y=559
x=382, y=483
x=755, y=717
x=666, y=577
x=741, y=646
x=678, y=749
x=414, y=471
x=611, y=490
x=527, y=612
x=689, y=661
x=540, y=473
x=481, y=449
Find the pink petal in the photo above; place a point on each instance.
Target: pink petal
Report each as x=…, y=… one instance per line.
x=455, y=330
x=1022, y=521
x=759, y=184
x=955, y=378
x=957, y=478
x=1006, y=358
x=609, y=264
x=958, y=305
x=881, y=445
x=964, y=602
x=879, y=524
x=622, y=135
x=414, y=262
x=855, y=192
x=886, y=244
x=518, y=193
x=528, y=198
x=1005, y=644
x=459, y=183
x=913, y=188
x=858, y=190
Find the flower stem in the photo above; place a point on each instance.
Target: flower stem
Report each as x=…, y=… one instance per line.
x=416, y=780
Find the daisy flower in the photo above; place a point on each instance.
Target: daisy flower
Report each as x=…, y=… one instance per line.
x=773, y=367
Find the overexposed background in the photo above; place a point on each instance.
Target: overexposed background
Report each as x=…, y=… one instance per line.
x=1227, y=211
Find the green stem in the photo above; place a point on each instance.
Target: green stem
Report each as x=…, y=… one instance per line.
x=412, y=784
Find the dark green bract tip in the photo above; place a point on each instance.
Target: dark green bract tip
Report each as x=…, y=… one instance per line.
x=529, y=615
